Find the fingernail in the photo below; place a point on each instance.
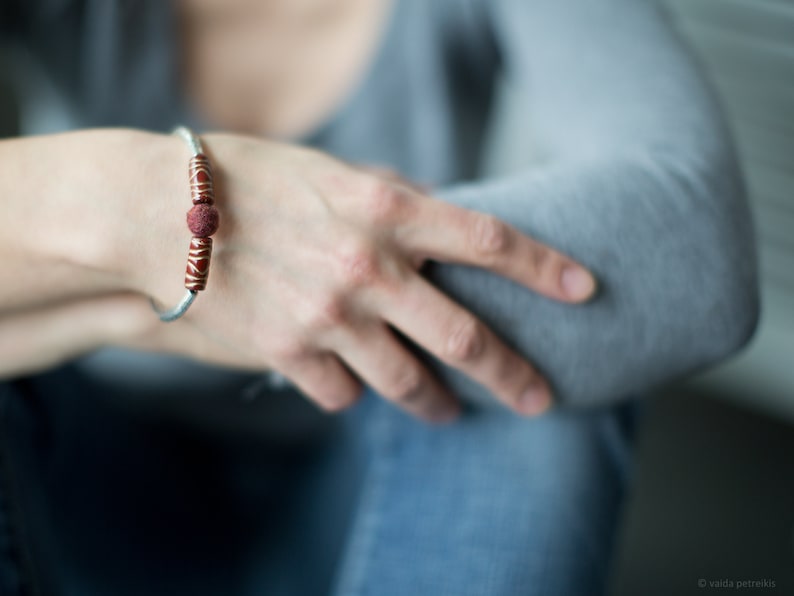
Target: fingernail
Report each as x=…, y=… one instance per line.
x=577, y=283
x=535, y=400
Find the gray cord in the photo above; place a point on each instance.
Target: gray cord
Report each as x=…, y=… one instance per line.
x=190, y=138
x=166, y=316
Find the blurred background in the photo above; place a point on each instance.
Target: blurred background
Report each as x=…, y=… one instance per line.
x=713, y=494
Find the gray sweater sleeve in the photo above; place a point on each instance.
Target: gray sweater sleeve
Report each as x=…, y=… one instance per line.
x=639, y=183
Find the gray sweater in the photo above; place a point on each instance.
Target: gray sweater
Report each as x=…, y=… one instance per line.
x=638, y=178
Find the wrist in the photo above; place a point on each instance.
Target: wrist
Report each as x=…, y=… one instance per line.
x=154, y=248
x=167, y=281
x=124, y=210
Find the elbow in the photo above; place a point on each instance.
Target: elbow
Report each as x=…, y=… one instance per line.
x=726, y=327
x=726, y=270
x=705, y=251
x=741, y=291
x=742, y=313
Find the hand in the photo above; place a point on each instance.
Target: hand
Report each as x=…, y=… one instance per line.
x=315, y=274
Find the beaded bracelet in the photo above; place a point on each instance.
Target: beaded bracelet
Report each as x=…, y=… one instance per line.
x=202, y=220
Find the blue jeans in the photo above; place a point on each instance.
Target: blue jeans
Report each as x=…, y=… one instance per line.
x=99, y=499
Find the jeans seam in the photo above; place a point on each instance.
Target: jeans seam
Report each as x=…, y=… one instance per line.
x=18, y=554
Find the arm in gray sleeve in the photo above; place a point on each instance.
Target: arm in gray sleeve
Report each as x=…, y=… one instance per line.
x=639, y=183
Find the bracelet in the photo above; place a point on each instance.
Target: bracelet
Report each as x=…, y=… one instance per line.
x=202, y=220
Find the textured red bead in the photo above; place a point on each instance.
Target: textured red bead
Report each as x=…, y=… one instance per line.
x=203, y=220
x=201, y=183
x=198, y=264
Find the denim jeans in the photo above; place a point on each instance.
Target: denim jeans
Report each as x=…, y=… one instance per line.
x=100, y=499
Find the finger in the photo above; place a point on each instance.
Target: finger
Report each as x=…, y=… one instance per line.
x=449, y=233
x=324, y=379
x=455, y=336
x=386, y=365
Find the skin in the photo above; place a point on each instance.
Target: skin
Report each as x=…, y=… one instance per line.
x=315, y=271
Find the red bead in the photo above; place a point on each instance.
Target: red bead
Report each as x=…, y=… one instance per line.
x=198, y=264
x=201, y=185
x=203, y=219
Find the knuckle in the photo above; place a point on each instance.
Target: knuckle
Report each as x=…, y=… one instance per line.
x=384, y=201
x=541, y=260
x=340, y=183
x=325, y=313
x=407, y=385
x=489, y=236
x=465, y=342
x=359, y=264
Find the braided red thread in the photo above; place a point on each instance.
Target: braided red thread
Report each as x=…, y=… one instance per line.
x=198, y=264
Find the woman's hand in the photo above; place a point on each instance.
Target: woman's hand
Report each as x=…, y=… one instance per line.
x=315, y=274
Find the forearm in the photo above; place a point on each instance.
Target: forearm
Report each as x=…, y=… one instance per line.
x=82, y=212
x=37, y=339
x=90, y=221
